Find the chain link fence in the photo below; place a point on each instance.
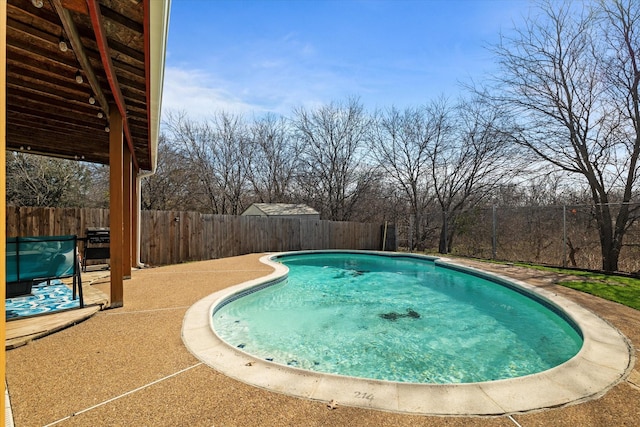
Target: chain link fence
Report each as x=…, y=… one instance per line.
x=563, y=236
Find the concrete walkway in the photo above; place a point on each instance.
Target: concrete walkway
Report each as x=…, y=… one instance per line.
x=129, y=366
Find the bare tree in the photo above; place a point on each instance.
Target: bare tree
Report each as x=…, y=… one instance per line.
x=576, y=100
x=379, y=201
x=470, y=157
x=275, y=159
x=219, y=153
x=174, y=186
x=333, y=173
x=98, y=187
x=233, y=156
x=195, y=140
x=34, y=180
x=621, y=28
x=400, y=143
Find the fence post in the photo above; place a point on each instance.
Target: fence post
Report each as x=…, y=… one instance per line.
x=494, y=238
x=564, y=235
x=384, y=236
x=445, y=223
x=410, y=234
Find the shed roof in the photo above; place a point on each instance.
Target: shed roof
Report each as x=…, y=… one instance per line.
x=275, y=209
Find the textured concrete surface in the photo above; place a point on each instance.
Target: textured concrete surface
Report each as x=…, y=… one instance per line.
x=129, y=366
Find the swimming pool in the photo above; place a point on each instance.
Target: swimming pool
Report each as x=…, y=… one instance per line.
x=398, y=318
x=605, y=358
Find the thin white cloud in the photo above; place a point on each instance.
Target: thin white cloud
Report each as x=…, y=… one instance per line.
x=275, y=85
x=199, y=94
x=264, y=75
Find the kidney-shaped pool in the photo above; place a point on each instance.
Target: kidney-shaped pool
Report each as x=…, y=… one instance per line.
x=401, y=319
x=355, y=326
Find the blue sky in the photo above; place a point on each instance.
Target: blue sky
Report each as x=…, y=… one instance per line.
x=257, y=56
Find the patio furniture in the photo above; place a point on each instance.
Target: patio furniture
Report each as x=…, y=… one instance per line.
x=41, y=259
x=96, y=245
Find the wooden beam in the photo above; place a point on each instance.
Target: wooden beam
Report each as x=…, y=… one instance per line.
x=116, y=207
x=79, y=6
x=38, y=92
x=107, y=63
x=3, y=186
x=111, y=14
x=20, y=76
x=126, y=212
x=78, y=48
x=61, y=121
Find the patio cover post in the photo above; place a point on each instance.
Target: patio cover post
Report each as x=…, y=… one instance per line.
x=135, y=212
x=3, y=186
x=116, y=205
x=127, y=164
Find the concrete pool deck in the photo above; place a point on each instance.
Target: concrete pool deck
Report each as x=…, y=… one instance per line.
x=129, y=366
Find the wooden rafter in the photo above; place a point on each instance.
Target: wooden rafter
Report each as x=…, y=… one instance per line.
x=78, y=48
x=42, y=88
x=103, y=47
x=79, y=6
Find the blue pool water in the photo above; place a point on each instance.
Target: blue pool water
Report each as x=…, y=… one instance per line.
x=43, y=299
x=396, y=318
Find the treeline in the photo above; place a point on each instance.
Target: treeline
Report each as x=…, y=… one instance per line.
x=559, y=123
x=349, y=164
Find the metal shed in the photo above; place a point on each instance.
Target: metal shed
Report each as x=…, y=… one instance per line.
x=282, y=210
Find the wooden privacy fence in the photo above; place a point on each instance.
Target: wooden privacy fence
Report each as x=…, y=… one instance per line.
x=26, y=221
x=169, y=237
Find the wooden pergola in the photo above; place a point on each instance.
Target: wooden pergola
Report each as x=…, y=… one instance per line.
x=82, y=79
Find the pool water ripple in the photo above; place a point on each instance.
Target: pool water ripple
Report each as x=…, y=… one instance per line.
x=396, y=319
